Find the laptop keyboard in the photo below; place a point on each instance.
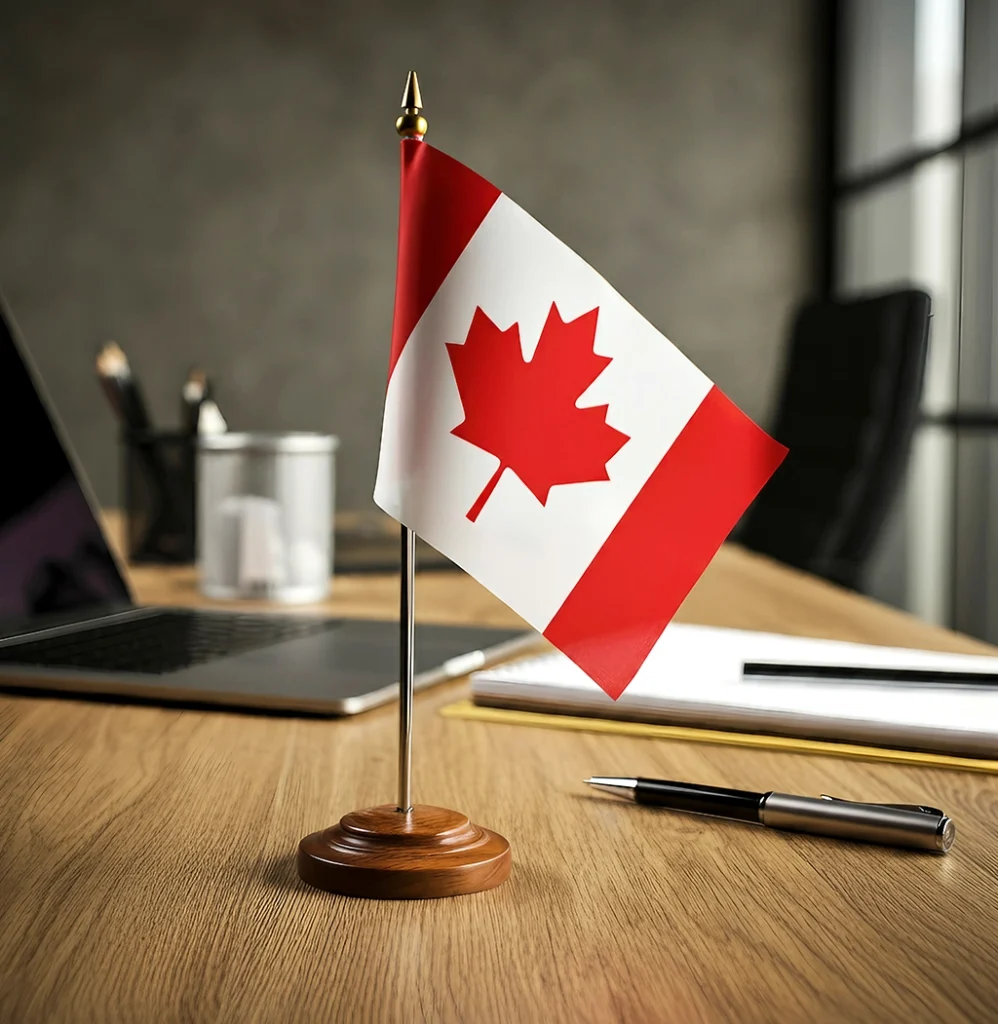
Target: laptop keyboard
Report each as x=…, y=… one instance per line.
x=164, y=642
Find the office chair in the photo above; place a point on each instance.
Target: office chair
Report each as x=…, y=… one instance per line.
x=847, y=412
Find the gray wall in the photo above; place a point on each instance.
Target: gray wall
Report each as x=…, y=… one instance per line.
x=216, y=183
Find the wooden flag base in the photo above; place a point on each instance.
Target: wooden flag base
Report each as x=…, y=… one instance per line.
x=384, y=853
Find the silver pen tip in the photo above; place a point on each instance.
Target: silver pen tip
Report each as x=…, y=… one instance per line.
x=611, y=784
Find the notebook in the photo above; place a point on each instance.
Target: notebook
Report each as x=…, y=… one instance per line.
x=696, y=676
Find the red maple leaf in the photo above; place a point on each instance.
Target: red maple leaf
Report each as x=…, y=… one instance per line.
x=525, y=413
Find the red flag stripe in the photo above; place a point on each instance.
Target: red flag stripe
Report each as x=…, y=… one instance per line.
x=442, y=204
x=614, y=615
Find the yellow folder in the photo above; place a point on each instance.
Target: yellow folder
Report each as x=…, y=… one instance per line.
x=477, y=713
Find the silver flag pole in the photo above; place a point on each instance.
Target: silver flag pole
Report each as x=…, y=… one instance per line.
x=406, y=666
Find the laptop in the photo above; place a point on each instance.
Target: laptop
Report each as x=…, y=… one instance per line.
x=68, y=623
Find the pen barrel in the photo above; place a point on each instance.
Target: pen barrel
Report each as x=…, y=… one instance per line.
x=681, y=796
x=870, y=823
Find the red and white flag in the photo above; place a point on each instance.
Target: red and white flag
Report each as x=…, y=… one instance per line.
x=545, y=436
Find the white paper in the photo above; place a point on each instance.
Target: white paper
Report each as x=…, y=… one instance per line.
x=694, y=676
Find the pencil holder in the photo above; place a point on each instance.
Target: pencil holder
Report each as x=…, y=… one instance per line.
x=158, y=478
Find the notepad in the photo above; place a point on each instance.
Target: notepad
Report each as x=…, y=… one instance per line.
x=695, y=676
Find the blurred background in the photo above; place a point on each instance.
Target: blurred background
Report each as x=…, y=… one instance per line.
x=216, y=184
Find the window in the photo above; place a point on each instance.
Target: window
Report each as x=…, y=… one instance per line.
x=915, y=201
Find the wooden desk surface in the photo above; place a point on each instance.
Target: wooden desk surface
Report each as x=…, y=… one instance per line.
x=146, y=860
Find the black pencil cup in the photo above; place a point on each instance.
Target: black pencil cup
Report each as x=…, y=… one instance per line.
x=158, y=476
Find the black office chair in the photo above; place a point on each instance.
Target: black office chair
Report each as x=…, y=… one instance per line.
x=847, y=412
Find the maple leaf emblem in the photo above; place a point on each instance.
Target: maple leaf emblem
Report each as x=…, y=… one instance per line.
x=525, y=413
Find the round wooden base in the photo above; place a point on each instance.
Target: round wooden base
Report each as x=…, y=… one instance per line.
x=385, y=853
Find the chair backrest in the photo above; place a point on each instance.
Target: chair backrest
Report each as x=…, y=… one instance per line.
x=847, y=412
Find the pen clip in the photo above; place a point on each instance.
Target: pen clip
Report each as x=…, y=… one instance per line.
x=918, y=808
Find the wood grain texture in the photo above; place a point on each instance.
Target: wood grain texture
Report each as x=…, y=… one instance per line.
x=384, y=853
x=147, y=867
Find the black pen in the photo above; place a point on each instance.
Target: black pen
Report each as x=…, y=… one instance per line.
x=838, y=674
x=196, y=391
x=122, y=389
x=925, y=828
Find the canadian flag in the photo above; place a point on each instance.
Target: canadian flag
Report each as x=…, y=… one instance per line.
x=545, y=436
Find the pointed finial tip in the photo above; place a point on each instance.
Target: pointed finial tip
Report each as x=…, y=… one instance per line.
x=410, y=95
x=411, y=124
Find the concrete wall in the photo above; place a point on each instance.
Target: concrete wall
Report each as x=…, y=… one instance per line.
x=216, y=183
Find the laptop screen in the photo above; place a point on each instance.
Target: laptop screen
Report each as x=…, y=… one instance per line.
x=53, y=556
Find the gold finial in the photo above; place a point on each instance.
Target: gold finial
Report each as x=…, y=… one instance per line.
x=411, y=124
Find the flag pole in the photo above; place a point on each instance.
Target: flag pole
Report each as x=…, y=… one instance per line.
x=410, y=124
x=406, y=659
x=406, y=850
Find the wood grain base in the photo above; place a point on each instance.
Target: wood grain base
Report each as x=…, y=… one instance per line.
x=384, y=853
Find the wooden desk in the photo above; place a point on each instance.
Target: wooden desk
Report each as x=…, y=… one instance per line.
x=124, y=897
